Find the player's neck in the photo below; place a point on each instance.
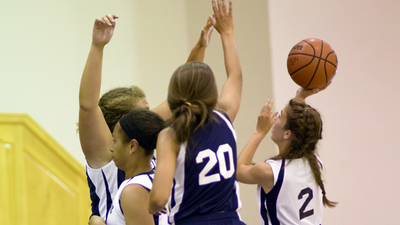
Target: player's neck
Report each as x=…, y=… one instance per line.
x=138, y=167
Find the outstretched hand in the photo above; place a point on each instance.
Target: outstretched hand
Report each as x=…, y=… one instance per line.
x=222, y=19
x=206, y=32
x=103, y=29
x=304, y=93
x=266, y=118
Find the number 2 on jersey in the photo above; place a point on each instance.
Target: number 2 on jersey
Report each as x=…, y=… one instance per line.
x=213, y=159
x=302, y=212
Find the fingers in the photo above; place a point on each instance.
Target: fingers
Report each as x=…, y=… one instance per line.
x=266, y=110
x=214, y=6
x=111, y=19
x=230, y=8
x=274, y=115
x=107, y=19
x=99, y=21
x=324, y=87
x=220, y=10
x=206, y=32
x=208, y=28
x=221, y=7
x=164, y=211
x=270, y=103
x=304, y=93
x=209, y=23
x=213, y=20
x=222, y=19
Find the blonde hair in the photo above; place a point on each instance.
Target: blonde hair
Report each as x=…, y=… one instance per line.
x=118, y=102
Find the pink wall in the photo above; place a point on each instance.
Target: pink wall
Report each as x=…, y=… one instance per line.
x=361, y=147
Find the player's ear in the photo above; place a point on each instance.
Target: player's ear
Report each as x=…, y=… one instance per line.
x=134, y=145
x=287, y=135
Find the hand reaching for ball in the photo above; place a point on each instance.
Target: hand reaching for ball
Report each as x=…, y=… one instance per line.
x=304, y=93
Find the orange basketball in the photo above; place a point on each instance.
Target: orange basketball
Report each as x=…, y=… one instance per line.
x=312, y=63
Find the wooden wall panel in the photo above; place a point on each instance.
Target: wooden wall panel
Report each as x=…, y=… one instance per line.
x=41, y=183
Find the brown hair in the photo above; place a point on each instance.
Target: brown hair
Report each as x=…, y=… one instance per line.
x=305, y=123
x=192, y=95
x=118, y=102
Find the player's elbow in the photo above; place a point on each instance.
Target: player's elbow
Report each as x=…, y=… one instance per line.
x=156, y=202
x=239, y=174
x=86, y=106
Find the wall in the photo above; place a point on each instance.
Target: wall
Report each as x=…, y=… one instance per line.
x=45, y=45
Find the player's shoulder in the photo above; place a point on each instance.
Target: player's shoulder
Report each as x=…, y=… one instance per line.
x=221, y=114
x=144, y=179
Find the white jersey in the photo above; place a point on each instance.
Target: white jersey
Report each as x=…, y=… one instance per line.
x=116, y=215
x=295, y=198
x=103, y=184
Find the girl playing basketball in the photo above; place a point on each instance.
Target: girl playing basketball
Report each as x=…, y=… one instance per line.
x=290, y=187
x=196, y=153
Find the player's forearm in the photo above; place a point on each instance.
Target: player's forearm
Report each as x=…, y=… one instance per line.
x=247, y=154
x=89, y=91
x=197, y=54
x=156, y=204
x=232, y=63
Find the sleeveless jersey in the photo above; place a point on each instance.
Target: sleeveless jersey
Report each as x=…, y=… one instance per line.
x=116, y=214
x=103, y=184
x=295, y=198
x=205, y=186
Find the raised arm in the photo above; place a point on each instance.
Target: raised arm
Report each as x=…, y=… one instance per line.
x=258, y=173
x=198, y=51
x=231, y=92
x=197, y=54
x=94, y=134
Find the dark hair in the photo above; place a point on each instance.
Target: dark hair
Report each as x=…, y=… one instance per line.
x=142, y=125
x=192, y=95
x=118, y=102
x=305, y=124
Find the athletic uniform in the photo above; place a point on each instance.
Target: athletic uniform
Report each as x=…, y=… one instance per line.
x=103, y=184
x=116, y=214
x=205, y=186
x=295, y=198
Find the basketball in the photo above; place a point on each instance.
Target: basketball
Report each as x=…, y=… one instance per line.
x=312, y=63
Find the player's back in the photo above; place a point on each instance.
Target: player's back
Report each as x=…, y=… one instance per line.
x=295, y=198
x=205, y=174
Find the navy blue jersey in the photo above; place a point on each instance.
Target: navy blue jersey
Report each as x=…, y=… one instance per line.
x=205, y=183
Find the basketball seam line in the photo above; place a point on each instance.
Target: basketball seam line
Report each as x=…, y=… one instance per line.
x=316, y=68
